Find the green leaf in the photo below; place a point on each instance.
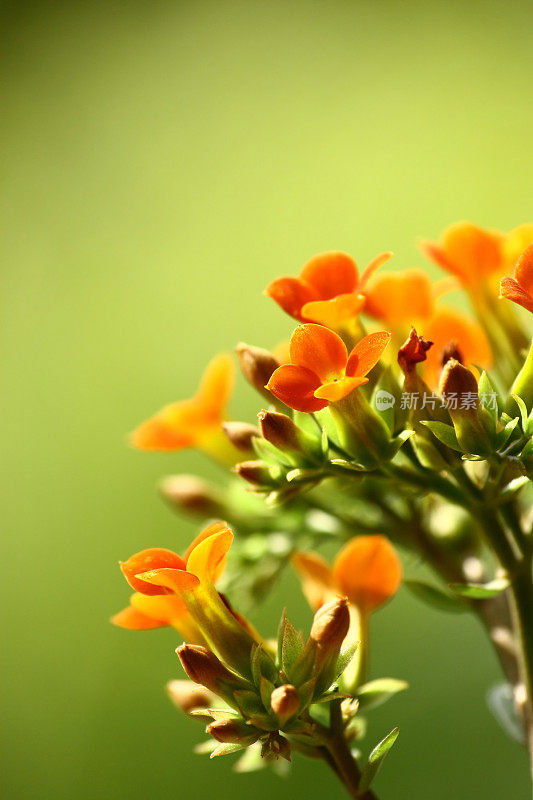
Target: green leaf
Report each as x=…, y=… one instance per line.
x=481, y=591
x=503, y=436
x=435, y=597
x=344, y=659
x=523, y=411
x=290, y=644
x=513, y=487
x=444, y=433
x=375, y=693
x=226, y=748
x=486, y=394
x=266, y=688
x=375, y=760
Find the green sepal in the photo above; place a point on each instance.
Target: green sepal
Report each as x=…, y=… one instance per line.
x=262, y=665
x=375, y=693
x=434, y=596
x=481, y=591
x=523, y=413
x=344, y=659
x=248, y=702
x=512, y=488
x=503, y=436
x=268, y=453
x=444, y=433
x=266, y=688
x=375, y=760
x=290, y=644
x=225, y=748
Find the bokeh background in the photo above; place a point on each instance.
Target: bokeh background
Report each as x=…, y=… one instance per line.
x=162, y=162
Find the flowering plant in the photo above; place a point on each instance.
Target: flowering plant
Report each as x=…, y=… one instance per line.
x=388, y=413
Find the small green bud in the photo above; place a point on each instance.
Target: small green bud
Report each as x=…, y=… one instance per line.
x=257, y=366
x=240, y=434
x=280, y=431
x=459, y=389
x=285, y=702
x=233, y=730
x=203, y=667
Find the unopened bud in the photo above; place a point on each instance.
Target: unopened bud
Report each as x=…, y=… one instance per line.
x=234, y=731
x=189, y=493
x=280, y=430
x=330, y=624
x=285, y=702
x=459, y=389
x=202, y=666
x=451, y=351
x=256, y=472
x=412, y=352
x=240, y=434
x=190, y=696
x=257, y=366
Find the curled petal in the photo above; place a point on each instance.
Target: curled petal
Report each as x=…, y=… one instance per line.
x=216, y=386
x=334, y=313
x=524, y=270
x=134, y=620
x=368, y=571
x=318, y=583
x=146, y=560
x=318, y=349
x=295, y=386
x=366, y=353
x=369, y=270
x=291, y=294
x=336, y=390
x=511, y=290
x=170, y=580
x=208, y=557
x=215, y=527
x=330, y=274
x=399, y=297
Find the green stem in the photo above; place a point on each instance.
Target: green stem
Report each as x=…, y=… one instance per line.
x=340, y=752
x=522, y=606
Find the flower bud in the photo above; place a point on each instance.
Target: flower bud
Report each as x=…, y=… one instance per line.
x=233, y=730
x=330, y=625
x=256, y=472
x=257, y=366
x=459, y=389
x=202, y=666
x=189, y=493
x=190, y=696
x=285, y=702
x=280, y=430
x=363, y=433
x=276, y=746
x=240, y=434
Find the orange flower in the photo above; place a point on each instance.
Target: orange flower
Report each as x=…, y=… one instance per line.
x=154, y=606
x=449, y=329
x=520, y=288
x=516, y=242
x=194, y=422
x=328, y=289
x=321, y=371
x=468, y=251
x=367, y=571
x=399, y=298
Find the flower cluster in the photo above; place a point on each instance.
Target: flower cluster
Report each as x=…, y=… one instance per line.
x=387, y=412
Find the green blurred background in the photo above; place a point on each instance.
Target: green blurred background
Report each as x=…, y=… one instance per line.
x=163, y=161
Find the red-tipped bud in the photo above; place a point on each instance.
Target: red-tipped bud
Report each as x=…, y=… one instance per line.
x=257, y=366
x=233, y=730
x=240, y=434
x=256, y=472
x=459, y=390
x=190, y=696
x=202, y=666
x=330, y=625
x=285, y=702
x=189, y=493
x=412, y=352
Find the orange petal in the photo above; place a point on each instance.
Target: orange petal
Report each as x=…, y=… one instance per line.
x=291, y=294
x=216, y=386
x=334, y=313
x=295, y=386
x=369, y=270
x=134, y=620
x=468, y=251
x=524, y=270
x=146, y=560
x=318, y=349
x=206, y=558
x=318, y=583
x=448, y=325
x=171, y=580
x=516, y=242
x=368, y=571
x=366, y=353
x=400, y=297
x=511, y=290
x=330, y=274
x=214, y=527
x=336, y=390
x=169, y=609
